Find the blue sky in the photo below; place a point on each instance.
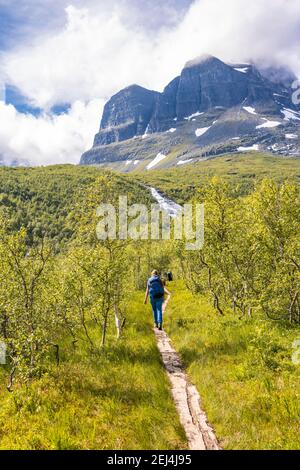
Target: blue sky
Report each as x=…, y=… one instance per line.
x=19, y=20
x=62, y=59
x=32, y=20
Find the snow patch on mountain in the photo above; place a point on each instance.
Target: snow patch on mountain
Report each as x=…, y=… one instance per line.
x=248, y=149
x=291, y=136
x=146, y=132
x=201, y=131
x=249, y=109
x=268, y=124
x=159, y=157
x=184, y=162
x=290, y=114
x=189, y=118
x=241, y=70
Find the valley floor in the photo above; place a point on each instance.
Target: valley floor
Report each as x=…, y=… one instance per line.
x=121, y=399
x=243, y=370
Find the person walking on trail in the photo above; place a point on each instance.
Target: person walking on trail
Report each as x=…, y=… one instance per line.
x=156, y=291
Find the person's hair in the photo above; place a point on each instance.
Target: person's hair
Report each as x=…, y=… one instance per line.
x=154, y=273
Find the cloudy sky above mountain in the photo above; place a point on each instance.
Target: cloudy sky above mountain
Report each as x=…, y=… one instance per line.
x=81, y=52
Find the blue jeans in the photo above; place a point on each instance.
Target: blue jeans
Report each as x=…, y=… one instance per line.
x=156, y=305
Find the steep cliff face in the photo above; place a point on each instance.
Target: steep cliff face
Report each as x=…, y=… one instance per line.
x=208, y=82
x=224, y=101
x=204, y=83
x=126, y=114
x=165, y=114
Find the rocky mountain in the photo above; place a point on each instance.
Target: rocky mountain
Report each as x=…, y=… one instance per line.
x=210, y=109
x=126, y=115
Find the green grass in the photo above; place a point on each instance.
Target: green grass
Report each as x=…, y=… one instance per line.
x=243, y=371
x=121, y=399
x=243, y=170
x=116, y=400
x=45, y=200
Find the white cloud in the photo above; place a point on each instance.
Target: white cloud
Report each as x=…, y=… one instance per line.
x=100, y=51
x=48, y=139
x=92, y=57
x=97, y=53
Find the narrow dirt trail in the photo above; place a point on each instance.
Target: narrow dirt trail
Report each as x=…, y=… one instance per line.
x=199, y=433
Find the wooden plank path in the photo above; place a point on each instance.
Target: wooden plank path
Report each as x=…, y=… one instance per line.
x=199, y=433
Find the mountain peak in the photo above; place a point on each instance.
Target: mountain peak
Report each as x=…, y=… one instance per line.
x=212, y=107
x=200, y=60
x=135, y=86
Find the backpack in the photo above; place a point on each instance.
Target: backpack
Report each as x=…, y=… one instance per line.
x=156, y=289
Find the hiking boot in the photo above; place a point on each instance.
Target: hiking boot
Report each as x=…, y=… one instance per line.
x=155, y=325
x=160, y=326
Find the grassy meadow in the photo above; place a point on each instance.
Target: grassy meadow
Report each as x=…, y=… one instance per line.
x=63, y=289
x=117, y=399
x=243, y=371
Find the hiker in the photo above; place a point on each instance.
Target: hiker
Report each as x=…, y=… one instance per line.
x=156, y=290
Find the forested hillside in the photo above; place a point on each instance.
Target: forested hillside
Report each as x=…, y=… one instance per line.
x=45, y=201
x=82, y=367
x=243, y=171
